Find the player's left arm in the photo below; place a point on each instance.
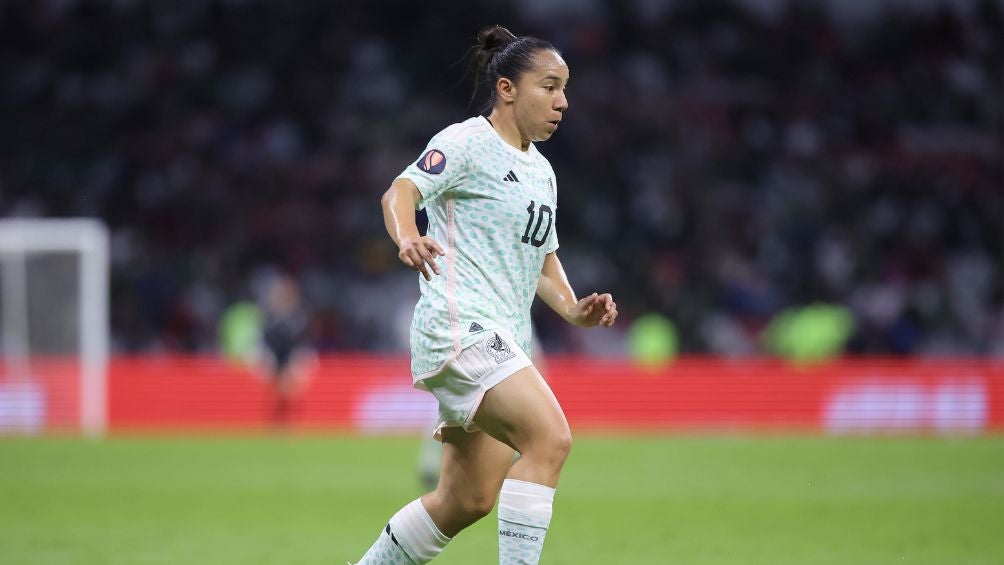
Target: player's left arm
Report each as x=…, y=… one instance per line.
x=554, y=289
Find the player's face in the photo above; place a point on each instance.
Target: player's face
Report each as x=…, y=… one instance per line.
x=540, y=100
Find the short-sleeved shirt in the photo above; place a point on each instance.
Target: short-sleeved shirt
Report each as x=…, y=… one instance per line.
x=493, y=208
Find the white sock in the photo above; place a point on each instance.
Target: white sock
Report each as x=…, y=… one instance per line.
x=411, y=537
x=524, y=514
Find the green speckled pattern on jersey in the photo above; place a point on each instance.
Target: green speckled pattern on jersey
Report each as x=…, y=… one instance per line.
x=489, y=275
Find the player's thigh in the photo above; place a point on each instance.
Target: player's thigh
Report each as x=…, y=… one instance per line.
x=473, y=468
x=522, y=412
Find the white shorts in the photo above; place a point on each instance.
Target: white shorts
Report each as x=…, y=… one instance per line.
x=462, y=382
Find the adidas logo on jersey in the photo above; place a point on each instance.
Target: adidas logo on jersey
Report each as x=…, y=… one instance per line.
x=475, y=327
x=511, y=177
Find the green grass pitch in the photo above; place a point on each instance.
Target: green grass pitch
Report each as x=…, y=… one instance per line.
x=623, y=500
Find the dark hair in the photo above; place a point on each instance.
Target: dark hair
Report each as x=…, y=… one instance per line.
x=499, y=53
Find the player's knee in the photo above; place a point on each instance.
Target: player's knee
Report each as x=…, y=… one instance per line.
x=552, y=449
x=561, y=446
x=477, y=505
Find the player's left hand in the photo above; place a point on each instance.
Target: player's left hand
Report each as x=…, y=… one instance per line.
x=594, y=310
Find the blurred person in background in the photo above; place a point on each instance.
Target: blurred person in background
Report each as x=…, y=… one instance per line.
x=270, y=337
x=492, y=199
x=287, y=357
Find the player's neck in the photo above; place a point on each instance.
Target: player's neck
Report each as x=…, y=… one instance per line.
x=505, y=126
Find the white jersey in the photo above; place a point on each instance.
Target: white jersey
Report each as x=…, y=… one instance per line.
x=493, y=209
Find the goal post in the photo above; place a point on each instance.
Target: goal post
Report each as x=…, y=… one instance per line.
x=54, y=307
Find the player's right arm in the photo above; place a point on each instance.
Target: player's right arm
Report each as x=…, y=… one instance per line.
x=416, y=251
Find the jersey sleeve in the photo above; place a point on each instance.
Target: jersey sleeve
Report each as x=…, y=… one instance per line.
x=441, y=167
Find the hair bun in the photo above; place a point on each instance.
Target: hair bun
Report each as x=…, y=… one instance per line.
x=493, y=38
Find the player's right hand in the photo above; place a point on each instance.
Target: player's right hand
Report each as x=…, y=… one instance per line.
x=419, y=254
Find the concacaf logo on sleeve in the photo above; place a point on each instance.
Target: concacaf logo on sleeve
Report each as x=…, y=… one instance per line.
x=433, y=162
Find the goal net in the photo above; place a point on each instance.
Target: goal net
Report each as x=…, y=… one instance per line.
x=53, y=326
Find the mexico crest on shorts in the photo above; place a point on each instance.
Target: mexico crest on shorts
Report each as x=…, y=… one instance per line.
x=498, y=349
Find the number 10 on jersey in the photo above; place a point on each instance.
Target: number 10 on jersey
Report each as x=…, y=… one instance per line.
x=538, y=214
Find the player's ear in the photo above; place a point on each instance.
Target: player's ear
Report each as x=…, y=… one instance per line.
x=506, y=89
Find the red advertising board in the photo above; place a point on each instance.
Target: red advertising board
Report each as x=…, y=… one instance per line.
x=374, y=394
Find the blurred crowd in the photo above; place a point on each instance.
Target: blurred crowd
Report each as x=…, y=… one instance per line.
x=721, y=161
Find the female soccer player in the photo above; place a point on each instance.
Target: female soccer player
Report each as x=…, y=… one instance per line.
x=491, y=200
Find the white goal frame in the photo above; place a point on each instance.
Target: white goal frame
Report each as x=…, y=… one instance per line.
x=88, y=238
